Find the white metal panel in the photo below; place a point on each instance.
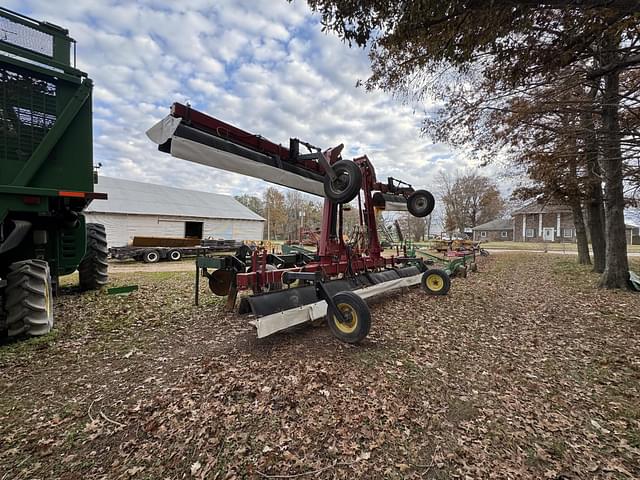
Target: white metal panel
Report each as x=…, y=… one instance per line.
x=219, y=228
x=247, y=230
x=212, y=157
x=270, y=324
x=115, y=226
x=121, y=228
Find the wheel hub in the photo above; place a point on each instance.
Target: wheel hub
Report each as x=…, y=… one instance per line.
x=348, y=325
x=434, y=282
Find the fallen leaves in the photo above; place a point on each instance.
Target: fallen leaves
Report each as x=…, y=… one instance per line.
x=523, y=371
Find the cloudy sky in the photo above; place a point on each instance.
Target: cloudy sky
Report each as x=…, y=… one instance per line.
x=264, y=66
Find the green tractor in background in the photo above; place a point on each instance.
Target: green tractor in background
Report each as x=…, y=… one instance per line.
x=46, y=174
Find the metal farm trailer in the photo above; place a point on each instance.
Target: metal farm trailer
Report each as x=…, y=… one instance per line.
x=154, y=254
x=46, y=173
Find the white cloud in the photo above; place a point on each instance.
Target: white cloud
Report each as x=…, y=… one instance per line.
x=264, y=66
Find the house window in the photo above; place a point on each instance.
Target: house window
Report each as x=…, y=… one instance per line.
x=567, y=232
x=483, y=234
x=531, y=232
x=504, y=234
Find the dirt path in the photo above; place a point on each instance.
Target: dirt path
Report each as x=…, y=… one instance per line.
x=187, y=265
x=523, y=371
x=557, y=252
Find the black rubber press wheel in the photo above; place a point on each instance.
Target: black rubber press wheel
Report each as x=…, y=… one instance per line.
x=436, y=282
x=347, y=183
x=357, y=321
x=420, y=203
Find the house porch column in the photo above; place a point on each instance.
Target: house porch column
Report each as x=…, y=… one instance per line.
x=540, y=224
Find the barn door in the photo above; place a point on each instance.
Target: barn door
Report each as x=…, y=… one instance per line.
x=193, y=229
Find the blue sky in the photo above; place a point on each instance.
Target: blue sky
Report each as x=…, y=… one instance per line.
x=264, y=66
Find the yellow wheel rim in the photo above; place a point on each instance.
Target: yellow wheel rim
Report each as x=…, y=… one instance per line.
x=435, y=282
x=349, y=326
x=48, y=304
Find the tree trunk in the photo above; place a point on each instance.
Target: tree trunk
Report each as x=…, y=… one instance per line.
x=594, y=201
x=581, y=232
x=595, y=207
x=616, y=271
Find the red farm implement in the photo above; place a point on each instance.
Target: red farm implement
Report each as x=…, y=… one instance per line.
x=290, y=289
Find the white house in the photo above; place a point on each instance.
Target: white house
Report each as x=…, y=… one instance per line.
x=144, y=209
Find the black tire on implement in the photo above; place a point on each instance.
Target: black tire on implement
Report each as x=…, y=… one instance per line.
x=358, y=318
x=93, y=269
x=420, y=203
x=29, y=298
x=435, y=282
x=347, y=183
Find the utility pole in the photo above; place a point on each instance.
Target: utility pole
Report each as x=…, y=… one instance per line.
x=268, y=223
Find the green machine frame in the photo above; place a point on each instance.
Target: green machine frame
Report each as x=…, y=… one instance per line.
x=46, y=152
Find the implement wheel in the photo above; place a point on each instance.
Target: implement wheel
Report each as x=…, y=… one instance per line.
x=347, y=183
x=420, y=203
x=436, y=282
x=357, y=318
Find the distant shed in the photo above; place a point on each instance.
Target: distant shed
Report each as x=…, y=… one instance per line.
x=145, y=209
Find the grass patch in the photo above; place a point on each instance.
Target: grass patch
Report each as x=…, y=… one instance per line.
x=541, y=246
x=570, y=267
x=579, y=277
x=21, y=346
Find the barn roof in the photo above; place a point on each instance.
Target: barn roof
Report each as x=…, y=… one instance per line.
x=500, y=224
x=127, y=196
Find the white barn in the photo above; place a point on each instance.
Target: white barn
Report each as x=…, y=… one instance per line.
x=144, y=209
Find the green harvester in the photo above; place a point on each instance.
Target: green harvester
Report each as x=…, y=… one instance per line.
x=46, y=174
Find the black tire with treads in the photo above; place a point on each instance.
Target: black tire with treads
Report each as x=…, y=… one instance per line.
x=358, y=323
x=29, y=298
x=93, y=269
x=347, y=184
x=420, y=203
x=435, y=282
x=151, y=256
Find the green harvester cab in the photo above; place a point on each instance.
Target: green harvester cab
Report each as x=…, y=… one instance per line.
x=46, y=173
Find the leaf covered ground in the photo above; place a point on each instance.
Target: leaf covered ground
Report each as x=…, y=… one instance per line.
x=524, y=371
